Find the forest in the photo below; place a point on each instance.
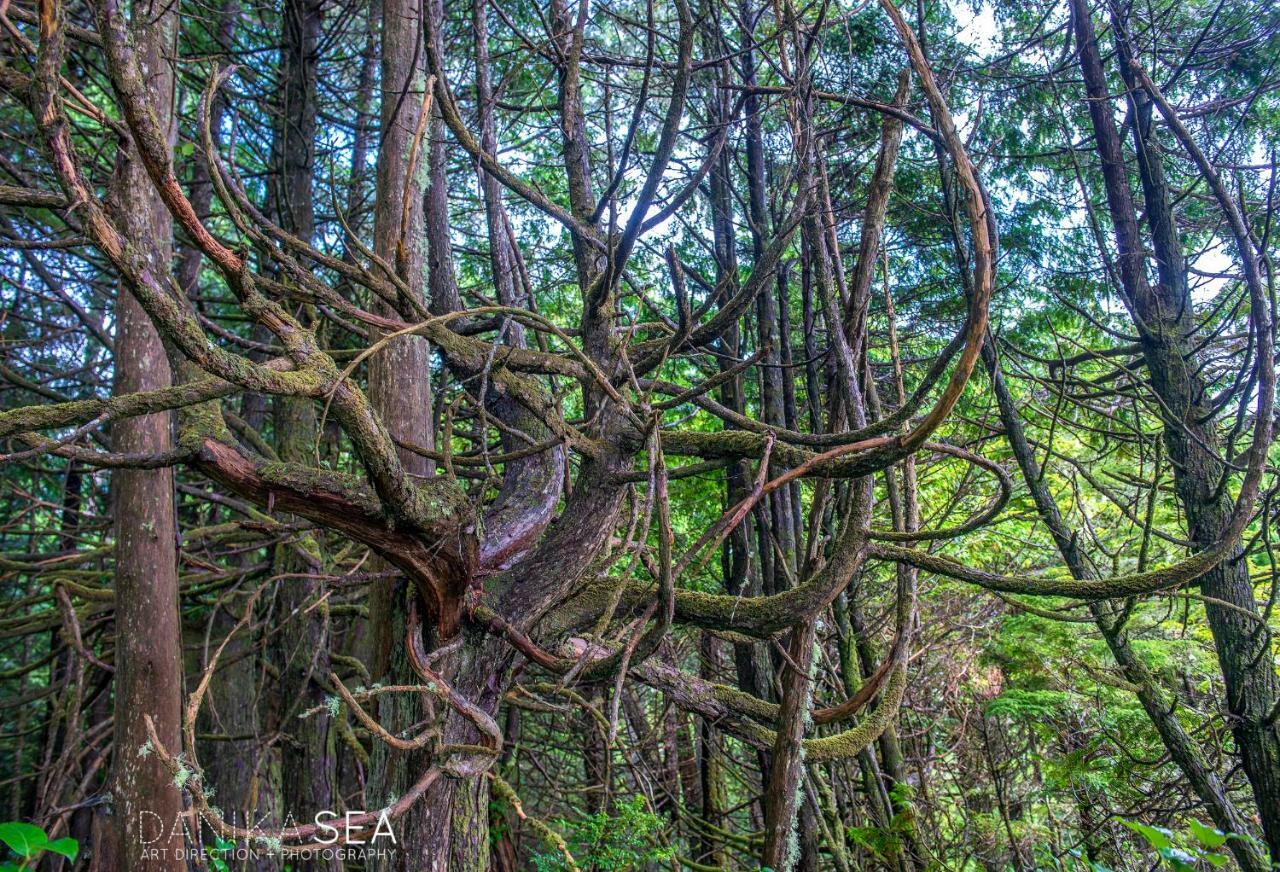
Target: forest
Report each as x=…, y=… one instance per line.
x=598, y=435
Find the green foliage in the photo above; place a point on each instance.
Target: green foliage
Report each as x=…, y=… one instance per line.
x=603, y=842
x=30, y=843
x=884, y=842
x=1186, y=851
x=1031, y=704
x=887, y=842
x=216, y=854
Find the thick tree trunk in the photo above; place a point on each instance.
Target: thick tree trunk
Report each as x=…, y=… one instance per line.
x=448, y=829
x=400, y=389
x=502, y=253
x=715, y=800
x=773, y=514
x=400, y=374
x=148, y=680
x=356, y=642
x=785, y=788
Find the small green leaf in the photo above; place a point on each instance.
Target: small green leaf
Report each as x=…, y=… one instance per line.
x=1179, y=859
x=1157, y=837
x=1207, y=835
x=26, y=840
x=67, y=847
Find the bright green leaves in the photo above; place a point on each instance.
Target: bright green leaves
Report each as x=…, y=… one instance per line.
x=218, y=852
x=1157, y=837
x=28, y=841
x=1207, y=835
x=66, y=846
x=1184, y=852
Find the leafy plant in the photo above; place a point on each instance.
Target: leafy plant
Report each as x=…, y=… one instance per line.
x=1183, y=851
x=30, y=842
x=217, y=854
x=887, y=842
x=603, y=842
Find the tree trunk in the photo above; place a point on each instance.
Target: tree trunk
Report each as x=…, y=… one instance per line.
x=785, y=790
x=148, y=679
x=711, y=764
x=400, y=390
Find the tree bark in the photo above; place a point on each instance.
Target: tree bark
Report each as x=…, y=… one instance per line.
x=400, y=390
x=148, y=680
x=785, y=789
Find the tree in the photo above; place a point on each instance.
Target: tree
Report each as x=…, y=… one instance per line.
x=679, y=436
x=148, y=805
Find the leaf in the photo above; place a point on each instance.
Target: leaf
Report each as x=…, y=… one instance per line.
x=1179, y=859
x=1207, y=835
x=26, y=840
x=1157, y=837
x=67, y=847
